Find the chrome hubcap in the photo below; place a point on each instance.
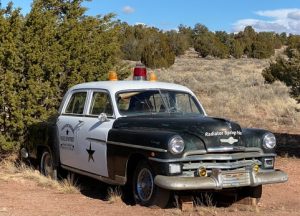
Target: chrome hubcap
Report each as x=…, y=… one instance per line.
x=145, y=184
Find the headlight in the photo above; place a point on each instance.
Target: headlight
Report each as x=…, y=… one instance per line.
x=269, y=141
x=176, y=145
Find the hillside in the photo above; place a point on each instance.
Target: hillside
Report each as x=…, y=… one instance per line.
x=235, y=89
x=231, y=88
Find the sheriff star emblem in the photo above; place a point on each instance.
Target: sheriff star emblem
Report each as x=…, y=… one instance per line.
x=90, y=152
x=230, y=140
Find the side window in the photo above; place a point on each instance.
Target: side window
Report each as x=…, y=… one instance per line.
x=76, y=103
x=101, y=104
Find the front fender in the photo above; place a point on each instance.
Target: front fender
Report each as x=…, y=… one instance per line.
x=253, y=137
x=123, y=143
x=145, y=142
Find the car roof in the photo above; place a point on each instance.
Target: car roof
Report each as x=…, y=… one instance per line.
x=116, y=86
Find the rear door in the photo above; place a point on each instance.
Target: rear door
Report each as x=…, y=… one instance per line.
x=69, y=124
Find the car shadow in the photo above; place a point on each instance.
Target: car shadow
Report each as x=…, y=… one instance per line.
x=96, y=189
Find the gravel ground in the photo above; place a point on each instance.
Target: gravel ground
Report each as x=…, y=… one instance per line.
x=27, y=198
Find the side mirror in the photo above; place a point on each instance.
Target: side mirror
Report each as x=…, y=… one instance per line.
x=103, y=117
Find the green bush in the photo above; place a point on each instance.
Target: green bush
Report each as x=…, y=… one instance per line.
x=293, y=43
x=131, y=38
x=151, y=46
x=263, y=46
x=41, y=55
x=178, y=42
x=287, y=71
x=236, y=49
x=208, y=44
x=158, y=53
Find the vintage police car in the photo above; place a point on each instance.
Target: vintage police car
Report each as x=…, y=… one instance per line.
x=154, y=137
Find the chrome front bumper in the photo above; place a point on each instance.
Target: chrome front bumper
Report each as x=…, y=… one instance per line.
x=219, y=180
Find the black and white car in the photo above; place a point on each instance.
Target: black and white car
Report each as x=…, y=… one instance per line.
x=153, y=137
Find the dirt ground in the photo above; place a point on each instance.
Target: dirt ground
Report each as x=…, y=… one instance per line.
x=25, y=197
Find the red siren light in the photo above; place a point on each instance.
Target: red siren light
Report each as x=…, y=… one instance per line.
x=140, y=72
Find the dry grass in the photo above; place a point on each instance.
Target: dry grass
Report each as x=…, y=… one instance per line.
x=69, y=186
x=205, y=210
x=204, y=205
x=114, y=195
x=235, y=89
x=10, y=170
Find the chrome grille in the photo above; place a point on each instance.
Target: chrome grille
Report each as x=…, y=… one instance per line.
x=227, y=164
x=220, y=164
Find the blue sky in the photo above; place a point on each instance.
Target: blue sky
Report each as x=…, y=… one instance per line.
x=228, y=15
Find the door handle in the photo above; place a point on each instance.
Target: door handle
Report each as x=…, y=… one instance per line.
x=80, y=121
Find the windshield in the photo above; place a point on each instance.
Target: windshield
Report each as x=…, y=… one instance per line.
x=157, y=101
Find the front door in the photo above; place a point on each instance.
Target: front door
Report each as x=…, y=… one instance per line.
x=92, y=136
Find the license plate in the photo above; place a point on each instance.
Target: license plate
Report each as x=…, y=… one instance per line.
x=236, y=179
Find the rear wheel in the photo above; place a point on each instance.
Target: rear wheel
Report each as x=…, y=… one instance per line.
x=47, y=165
x=145, y=192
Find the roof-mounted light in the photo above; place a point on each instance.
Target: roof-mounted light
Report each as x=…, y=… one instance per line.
x=140, y=72
x=152, y=77
x=112, y=76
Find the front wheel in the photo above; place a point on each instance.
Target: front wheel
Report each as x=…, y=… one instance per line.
x=47, y=166
x=145, y=192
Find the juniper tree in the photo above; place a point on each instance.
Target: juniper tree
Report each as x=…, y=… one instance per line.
x=178, y=42
x=157, y=51
x=207, y=43
x=287, y=71
x=11, y=66
x=263, y=46
x=41, y=55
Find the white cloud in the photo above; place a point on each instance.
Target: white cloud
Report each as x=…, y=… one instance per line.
x=140, y=23
x=259, y=25
x=294, y=15
x=128, y=10
x=277, y=14
x=282, y=20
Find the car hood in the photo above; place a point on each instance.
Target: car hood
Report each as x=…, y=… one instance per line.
x=217, y=134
